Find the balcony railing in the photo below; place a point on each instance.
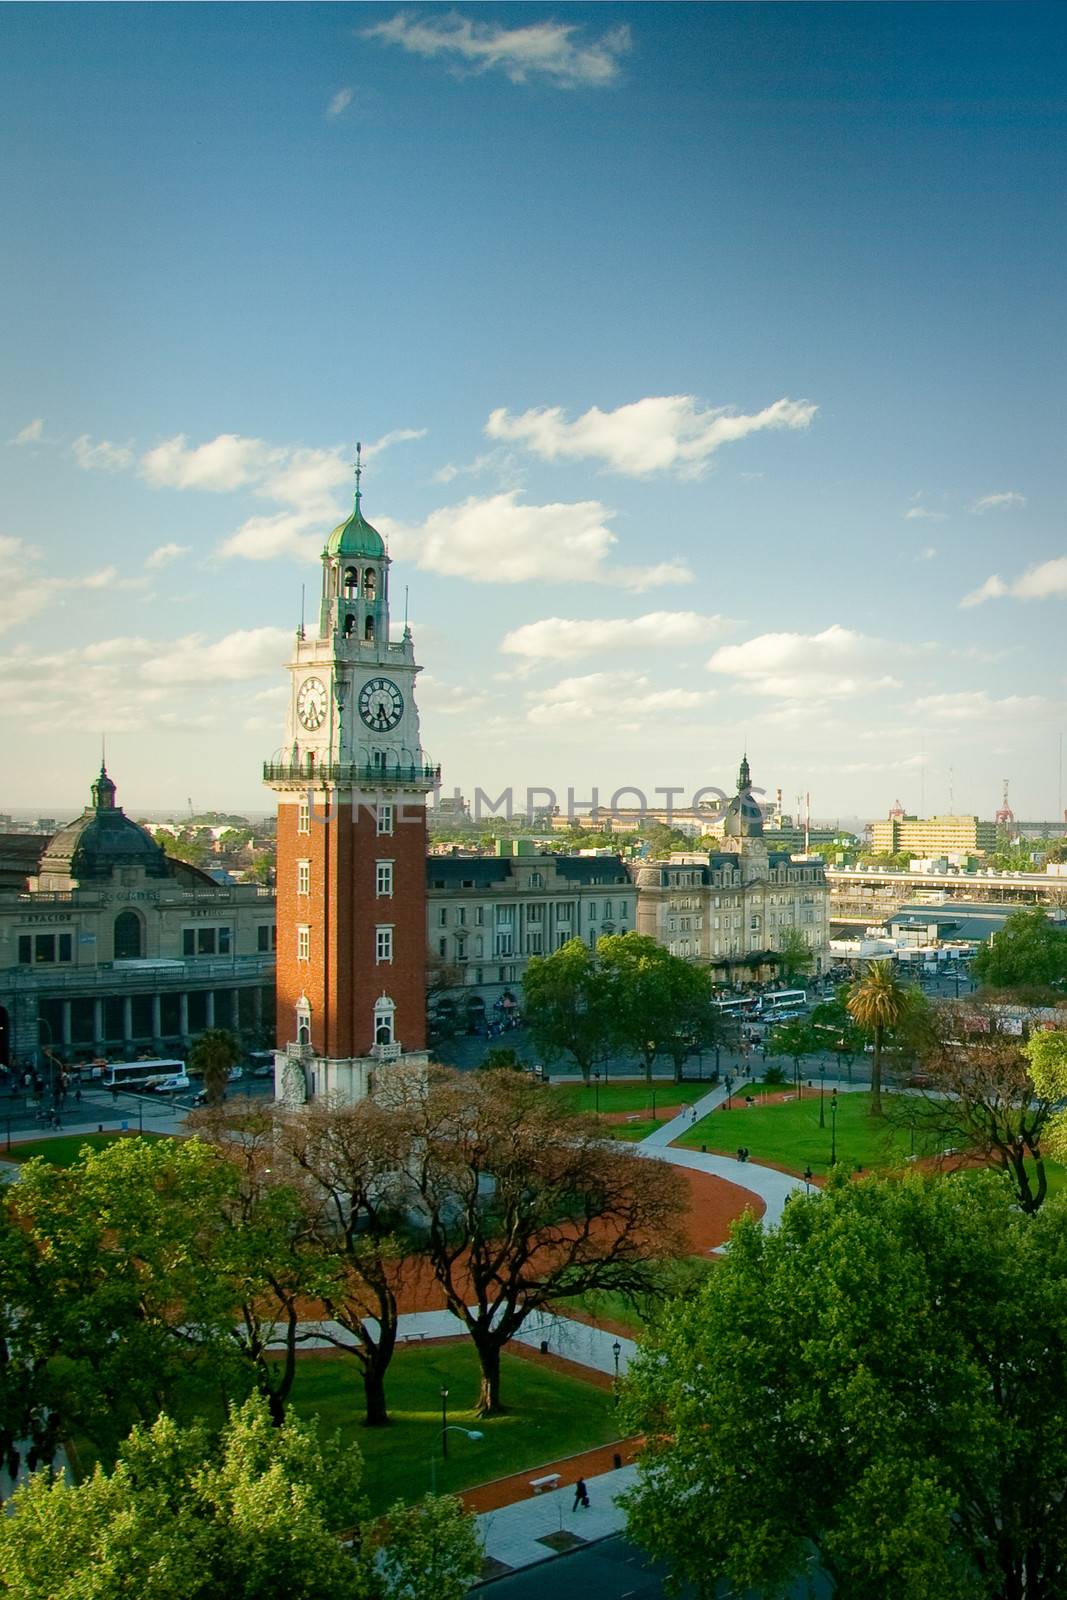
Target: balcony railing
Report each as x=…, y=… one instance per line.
x=168, y=977
x=386, y=1052
x=349, y=774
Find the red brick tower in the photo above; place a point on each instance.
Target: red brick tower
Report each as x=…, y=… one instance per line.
x=351, y=782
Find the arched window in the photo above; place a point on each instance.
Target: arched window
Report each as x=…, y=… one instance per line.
x=350, y=625
x=351, y=583
x=370, y=583
x=303, y=1020
x=129, y=945
x=368, y=629
x=383, y=1020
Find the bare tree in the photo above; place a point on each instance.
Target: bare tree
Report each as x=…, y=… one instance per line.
x=977, y=1096
x=524, y=1203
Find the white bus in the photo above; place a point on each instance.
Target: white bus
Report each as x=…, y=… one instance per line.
x=739, y=1006
x=786, y=1003
x=140, y=1075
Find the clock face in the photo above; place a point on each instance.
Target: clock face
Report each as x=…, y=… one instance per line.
x=381, y=705
x=311, y=703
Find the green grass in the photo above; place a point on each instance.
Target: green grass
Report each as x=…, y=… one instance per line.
x=551, y=1415
x=788, y=1134
x=62, y=1151
x=631, y=1096
x=607, y=1305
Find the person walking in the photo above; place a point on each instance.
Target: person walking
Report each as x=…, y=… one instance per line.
x=581, y=1496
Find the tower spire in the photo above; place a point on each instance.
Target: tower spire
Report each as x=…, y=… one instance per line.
x=359, y=470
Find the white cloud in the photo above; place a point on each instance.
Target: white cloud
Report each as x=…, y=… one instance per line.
x=25, y=590
x=835, y=664
x=903, y=763
x=32, y=433
x=927, y=554
x=246, y=653
x=339, y=103
x=924, y=514
x=569, y=638
x=164, y=554
x=223, y=464
x=609, y=695
x=387, y=440
x=494, y=539
x=545, y=50
x=663, y=433
x=448, y=699
x=103, y=456
x=1008, y=501
x=1046, y=581
x=976, y=705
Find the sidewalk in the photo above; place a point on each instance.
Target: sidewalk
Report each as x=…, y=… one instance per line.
x=515, y=1535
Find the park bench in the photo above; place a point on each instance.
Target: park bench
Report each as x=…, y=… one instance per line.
x=549, y=1481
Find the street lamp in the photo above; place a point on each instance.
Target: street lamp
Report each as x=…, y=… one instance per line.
x=822, y=1094
x=616, y=1351
x=444, y=1424
x=653, y=1102
x=807, y=1179
x=833, y=1127
x=596, y=1092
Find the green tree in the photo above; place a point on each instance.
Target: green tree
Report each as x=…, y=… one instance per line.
x=905, y=1424
x=253, y=1516
x=526, y=1203
x=795, y=1039
x=877, y=1002
x=500, y=1058
x=660, y=1003
x=567, y=1006
x=214, y=1053
x=431, y=1548
x=838, y=1027
x=796, y=955
x=1028, y=952
x=1046, y=1058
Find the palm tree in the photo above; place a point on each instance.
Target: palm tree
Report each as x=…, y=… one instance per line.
x=877, y=1002
x=214, y=1053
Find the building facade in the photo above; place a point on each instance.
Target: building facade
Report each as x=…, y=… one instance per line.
x=351, y=781
x=733, y=907
x=109, y=947
x=487, y=915
x=933, y=836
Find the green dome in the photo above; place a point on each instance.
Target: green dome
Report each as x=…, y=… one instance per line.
x=356, y=537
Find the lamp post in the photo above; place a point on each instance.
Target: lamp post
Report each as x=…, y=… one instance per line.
x=822, y=1094
x=833, y=1127
x=807, y=1179
x=444, y=1424
x=596, y=1092
x=653, y=1102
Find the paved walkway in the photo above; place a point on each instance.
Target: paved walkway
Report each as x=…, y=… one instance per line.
x=513, y=1534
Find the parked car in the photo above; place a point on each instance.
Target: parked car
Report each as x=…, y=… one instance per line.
x=177, y=1083
x=260, y=1063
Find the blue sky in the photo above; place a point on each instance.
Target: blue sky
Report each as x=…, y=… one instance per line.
x=707, y=361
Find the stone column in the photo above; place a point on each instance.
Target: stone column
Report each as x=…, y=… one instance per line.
x=157, y=1017
x=209, y=1008
x=235, y=1010
x=65, y=1023
x=183, y=1017
x=98, y=1024
x=257, y=1006
x=127, y=1019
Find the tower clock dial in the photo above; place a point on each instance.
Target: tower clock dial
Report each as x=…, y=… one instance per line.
x=381, y=705
x=311, y=703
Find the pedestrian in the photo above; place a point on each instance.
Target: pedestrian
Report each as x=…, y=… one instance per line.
x=581, y=1496
x=740, y=1152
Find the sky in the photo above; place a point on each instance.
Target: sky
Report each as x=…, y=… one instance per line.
x=707, y=362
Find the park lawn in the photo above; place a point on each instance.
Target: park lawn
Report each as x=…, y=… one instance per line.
x=608, y=1306
x=631, y=1096
x=552, y=1415
x=788, y=1134
x=62, y=1151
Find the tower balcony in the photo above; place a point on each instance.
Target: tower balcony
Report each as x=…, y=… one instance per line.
x=351, y=775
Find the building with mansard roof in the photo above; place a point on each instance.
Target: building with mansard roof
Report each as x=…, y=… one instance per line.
x=734, y=906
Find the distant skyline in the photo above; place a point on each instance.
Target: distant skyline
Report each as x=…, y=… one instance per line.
x=707, y=362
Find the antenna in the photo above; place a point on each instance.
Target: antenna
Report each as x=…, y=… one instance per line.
x=302, y=591
x=405, y=608
x=359, y=468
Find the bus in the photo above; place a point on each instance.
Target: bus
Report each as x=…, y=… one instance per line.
x=786, y=1003
x=139, y=1076
x=738, y=1006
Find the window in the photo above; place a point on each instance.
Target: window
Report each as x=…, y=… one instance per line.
x=303, y=944
x=384, y=816
x=536, y=880
x=461, y=915
x=563, y=911
x=622, y=910
x=505, y=916
x=267, y=936
x=533, y=942
x=479, y=916
x=607, y=910
x=384, y=879
x=503, y=943
x=303, y=877
x=535, y=914
x=44, y=948
x=442, y=917
x=479, y=947
x=383, y=943
x=442, y=948
x=303, y=817
x=128, y=944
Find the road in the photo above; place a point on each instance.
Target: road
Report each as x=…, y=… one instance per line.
x=613, y=1569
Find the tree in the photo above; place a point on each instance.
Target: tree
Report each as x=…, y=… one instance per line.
x=567, y=1006
x=524, y=1202
x=660, y=1003
x=253, y=1516
x=1028, y=952
x=1046, y=1059
x=356, y=1157
x=905, y=1425
x=838, y=1027
x=795, y=1039
x=795, y=953
x=500, y=1058
x=877, y=1002
x=214, y=1054
x=978, y=1096
x=431, y=1548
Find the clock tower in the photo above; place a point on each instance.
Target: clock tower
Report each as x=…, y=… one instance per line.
x=351, y=781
